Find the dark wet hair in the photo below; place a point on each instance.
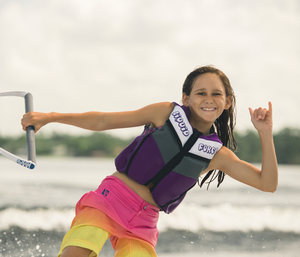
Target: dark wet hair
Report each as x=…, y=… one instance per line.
x=225, y=124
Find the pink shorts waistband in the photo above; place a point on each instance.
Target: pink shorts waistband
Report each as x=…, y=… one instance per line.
x=124, y=206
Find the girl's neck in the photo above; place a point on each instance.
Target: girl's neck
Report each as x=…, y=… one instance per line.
x=202, y=127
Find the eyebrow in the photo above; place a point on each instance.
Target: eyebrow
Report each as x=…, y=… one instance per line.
x=204, y=89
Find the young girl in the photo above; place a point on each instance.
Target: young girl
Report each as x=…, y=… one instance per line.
x=158, y=168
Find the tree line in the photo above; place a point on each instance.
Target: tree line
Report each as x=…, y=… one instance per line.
x=101, y=144
x=287, y=145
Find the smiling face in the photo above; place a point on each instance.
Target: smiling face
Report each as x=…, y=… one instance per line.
x=206, y=101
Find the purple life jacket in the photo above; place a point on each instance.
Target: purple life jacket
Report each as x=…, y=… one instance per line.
x=170, y=159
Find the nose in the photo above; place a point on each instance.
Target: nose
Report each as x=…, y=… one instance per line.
x=209, y=99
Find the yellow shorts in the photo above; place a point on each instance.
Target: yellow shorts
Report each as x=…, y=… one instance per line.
x=93, y=237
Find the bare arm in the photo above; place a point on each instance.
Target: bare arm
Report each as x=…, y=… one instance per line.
x=266, y=178
x=99, y=121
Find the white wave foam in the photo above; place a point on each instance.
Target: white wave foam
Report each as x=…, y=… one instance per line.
x=49, y=219
x=188, y=217
x=226, y=217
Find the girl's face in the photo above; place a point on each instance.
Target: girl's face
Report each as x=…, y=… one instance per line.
x=207, y=100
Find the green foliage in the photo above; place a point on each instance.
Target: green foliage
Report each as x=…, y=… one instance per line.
x=287, y=144
x=13, y=144
x=96, y=144
x=248, y=146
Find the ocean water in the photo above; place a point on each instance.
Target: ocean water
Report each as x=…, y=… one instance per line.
x=37, y=207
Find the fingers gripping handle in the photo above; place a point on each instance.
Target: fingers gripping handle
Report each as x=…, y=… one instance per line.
x=31, y=153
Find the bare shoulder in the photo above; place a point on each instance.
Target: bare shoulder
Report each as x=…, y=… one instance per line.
x=159, y=112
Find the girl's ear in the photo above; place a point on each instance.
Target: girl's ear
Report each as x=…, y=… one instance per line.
x=228, y=102
x=185, y=100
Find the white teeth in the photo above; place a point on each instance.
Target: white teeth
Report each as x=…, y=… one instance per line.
x=208, y=109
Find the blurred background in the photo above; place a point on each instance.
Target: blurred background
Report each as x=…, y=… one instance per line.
x=83, y=55
x=77, y=56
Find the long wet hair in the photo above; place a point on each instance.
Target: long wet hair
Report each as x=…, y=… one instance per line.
x=224, y=125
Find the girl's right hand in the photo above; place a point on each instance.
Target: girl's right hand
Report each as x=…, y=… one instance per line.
x=36, y=119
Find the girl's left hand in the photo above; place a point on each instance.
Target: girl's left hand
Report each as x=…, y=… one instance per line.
x=262, y=118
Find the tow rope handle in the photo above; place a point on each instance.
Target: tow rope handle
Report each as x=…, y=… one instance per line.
x=30, y=135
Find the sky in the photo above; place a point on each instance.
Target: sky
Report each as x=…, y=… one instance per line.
x=84, y=55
